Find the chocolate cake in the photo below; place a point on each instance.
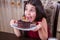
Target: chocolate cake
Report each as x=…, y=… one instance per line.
x=23, y=24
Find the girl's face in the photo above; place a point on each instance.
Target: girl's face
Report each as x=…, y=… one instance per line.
x=30, y=12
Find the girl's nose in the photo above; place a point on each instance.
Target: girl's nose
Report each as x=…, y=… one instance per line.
x=28, y=13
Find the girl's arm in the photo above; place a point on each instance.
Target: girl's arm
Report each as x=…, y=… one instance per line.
x=17, y=32
x=43, y=31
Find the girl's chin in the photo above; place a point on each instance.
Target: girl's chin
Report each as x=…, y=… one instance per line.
x=30, y=20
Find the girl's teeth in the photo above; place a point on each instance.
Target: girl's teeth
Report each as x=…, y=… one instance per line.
x=29, y=18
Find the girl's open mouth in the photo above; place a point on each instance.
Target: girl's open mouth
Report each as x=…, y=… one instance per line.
x=29, y=18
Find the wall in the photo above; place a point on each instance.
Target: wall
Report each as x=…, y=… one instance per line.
x=9, y=9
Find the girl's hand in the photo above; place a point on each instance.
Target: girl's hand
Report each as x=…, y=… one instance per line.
x=13, y=22
x=38, y=26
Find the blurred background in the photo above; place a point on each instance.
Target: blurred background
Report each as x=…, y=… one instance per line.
x=12, y=9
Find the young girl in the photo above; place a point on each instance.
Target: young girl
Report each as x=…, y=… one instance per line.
x=34, y=12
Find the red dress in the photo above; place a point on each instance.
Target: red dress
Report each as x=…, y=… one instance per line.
x=33, y=34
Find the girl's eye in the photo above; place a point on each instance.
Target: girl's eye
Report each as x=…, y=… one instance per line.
x=32, y=10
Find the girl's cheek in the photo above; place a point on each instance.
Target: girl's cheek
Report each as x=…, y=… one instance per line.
x=25, y=13
x=33, y=14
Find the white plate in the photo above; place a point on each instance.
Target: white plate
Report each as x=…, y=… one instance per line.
x=52, y=39
x=26, y=29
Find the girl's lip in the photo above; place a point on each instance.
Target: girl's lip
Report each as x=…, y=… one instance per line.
x=29, y=18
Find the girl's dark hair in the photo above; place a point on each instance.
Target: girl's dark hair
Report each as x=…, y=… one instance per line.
x=40, y=13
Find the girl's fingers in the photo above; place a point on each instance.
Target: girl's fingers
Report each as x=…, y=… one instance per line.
x=39, y=26
x=13, y=22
